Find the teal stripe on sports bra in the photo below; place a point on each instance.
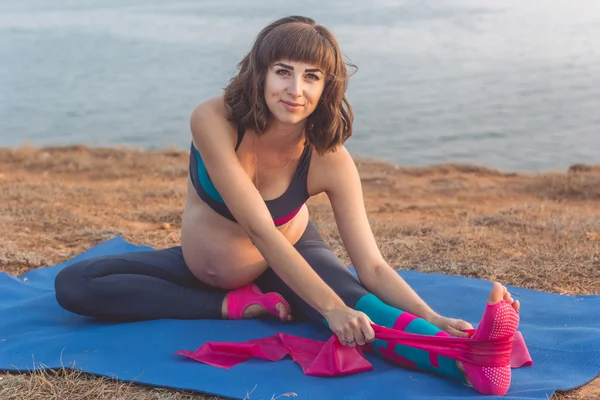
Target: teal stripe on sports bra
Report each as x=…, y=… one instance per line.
x=204, y=179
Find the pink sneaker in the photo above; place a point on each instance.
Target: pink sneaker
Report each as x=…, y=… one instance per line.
x=499, y=321
x=240, y=299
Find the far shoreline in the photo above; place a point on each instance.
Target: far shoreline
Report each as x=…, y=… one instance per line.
x=570, y=167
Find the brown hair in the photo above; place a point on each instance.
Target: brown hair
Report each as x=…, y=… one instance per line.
x=299, y=39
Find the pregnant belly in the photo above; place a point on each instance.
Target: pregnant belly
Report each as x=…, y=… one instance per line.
x=218, y=252
x=218, y=257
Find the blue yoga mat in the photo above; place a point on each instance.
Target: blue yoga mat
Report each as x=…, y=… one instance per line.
x=562, y=333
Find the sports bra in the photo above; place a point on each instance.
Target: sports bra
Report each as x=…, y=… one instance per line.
x=282, y=209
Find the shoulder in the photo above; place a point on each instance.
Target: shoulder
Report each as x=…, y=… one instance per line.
x=337, y=158
x=210, y=118
x=213, y=107
x=328, y=169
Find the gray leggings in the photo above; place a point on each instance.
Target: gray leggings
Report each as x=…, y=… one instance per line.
x=157, y=284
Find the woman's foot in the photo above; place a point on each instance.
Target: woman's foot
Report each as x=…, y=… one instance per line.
x=499, y=320
x=250, y=302
x=257, y=311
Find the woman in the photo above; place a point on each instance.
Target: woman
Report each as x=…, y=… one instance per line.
x=248, y=248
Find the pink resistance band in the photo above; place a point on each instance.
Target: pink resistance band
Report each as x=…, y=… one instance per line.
x=331, y=358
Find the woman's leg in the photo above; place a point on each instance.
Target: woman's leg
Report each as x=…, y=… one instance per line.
x=331, y=269
x=137, y=286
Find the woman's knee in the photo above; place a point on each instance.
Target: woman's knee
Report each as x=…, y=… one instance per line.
x=73, y=287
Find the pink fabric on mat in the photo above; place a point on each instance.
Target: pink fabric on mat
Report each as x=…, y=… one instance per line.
x=316, y=358
x=331, y=358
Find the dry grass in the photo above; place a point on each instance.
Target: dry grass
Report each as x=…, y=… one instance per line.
x=75, y=385
x=533, y=231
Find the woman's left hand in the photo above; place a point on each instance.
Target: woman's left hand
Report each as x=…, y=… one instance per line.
x=453, y=326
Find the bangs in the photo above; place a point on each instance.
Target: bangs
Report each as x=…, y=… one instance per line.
x=300, y=43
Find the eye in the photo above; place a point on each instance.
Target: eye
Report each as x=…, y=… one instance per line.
x=313, y=77
x=282, y=72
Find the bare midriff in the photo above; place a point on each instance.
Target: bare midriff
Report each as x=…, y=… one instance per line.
x=218, y=251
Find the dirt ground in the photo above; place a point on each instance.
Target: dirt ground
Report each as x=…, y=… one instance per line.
x=537, y=231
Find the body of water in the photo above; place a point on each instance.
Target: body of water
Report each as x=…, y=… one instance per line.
x=508, y=84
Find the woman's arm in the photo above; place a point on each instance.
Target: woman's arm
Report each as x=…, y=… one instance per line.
x=341, y=181
x=213, y=135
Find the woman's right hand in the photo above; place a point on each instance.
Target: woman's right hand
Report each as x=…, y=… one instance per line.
x=351, y=327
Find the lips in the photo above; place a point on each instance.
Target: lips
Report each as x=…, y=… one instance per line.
x=292, y=106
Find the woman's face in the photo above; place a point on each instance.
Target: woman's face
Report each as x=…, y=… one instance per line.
x=293, y=90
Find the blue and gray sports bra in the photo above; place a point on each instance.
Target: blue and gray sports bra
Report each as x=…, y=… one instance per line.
x=282, y=209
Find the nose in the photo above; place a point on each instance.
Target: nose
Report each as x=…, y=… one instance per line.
x=295, y=87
